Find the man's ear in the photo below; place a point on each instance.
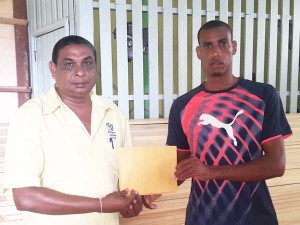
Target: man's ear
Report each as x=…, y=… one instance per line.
x=52, y=68
x=198, y=51
x=234, y=47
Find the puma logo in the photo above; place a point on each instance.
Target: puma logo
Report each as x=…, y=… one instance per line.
x=206, y=119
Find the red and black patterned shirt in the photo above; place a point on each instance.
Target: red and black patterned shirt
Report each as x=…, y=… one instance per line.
x=228, y=127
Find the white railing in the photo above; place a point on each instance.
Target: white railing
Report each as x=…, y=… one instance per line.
x=171, y=67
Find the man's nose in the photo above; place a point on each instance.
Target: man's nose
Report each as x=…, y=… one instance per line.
x=79, y=71
x=216, y=50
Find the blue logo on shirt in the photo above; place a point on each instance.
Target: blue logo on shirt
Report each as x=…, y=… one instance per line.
x=111, y=133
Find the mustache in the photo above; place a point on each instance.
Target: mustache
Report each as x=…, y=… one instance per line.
x=216, y=61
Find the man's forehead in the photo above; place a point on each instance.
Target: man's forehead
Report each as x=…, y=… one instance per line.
x=75, y=50
x=215, y=34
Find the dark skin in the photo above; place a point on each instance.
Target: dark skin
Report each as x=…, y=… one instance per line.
x=215, y=51
x=75, y=75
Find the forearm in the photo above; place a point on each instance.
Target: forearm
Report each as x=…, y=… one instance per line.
x=46, y=201
x=259, y=169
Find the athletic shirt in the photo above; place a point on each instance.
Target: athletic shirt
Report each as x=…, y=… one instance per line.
x=228, y=127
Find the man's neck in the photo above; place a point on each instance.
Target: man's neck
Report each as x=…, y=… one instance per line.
x=218, y=83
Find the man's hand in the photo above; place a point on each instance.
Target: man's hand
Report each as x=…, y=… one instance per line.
x=121, y=202
x=192, y=167
x=149, y=199
x=134, y=208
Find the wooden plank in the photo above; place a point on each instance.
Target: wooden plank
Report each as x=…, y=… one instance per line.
x=13, y=21
x=286, y=200
x=122, y=58
x=137, y=54
x=291, y=176
x=167, y=52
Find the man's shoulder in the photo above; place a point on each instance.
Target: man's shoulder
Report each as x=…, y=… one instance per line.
x=258, y=88
x=185, y=98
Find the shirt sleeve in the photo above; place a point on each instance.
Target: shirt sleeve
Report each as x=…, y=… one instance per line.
x=127, y=134
x=23, y=151
x=275, y=122
x=176, y=135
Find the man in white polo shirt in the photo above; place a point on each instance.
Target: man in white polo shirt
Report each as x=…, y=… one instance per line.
x=60, y=153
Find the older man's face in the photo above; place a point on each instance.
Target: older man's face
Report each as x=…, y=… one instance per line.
x=76, y=71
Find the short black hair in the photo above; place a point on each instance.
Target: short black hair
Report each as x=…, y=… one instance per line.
x=69, y=40
x=213, y=24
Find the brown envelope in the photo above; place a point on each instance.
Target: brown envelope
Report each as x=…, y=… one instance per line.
x=148, y=170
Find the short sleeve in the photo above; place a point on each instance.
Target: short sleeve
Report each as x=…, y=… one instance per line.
x=23, y=154
x=275, y=122
x=176, y=135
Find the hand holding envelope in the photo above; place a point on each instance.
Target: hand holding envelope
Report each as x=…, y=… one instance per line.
x=148, y=170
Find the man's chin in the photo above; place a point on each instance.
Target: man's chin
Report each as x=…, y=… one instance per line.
x=217, y=74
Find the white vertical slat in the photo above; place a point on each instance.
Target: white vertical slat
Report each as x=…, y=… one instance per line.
x=105, y=49
x=85, y=13
x=137, y=54
x=167, y=53
x=48, y=12
x=65, y=8
x=153, y=58
x=272, y=54
x=32, y=17
x=31, y=13
x=284, y=51
x=84, y=24
x=196, y=18
x=237, y=7
x=59, y=9
x=43, y=13
x=54, y=10
x=248, y=56
x=295, y=58
x=122, y=58
x=261, y=34
x=224, y=10
x=211, y=10
x=38, y=14
x=182, y=47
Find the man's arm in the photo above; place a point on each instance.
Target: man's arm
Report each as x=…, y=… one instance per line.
x=47, y=201
x=271, y=164
x=182, y=155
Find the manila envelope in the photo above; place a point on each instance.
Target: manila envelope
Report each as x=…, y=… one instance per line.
x=147, y=170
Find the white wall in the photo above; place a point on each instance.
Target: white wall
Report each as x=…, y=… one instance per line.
x=8, y=74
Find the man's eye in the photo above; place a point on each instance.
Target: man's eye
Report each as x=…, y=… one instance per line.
x=224, y=43
x=206, y=46
x=87, y=63
x=68, y=64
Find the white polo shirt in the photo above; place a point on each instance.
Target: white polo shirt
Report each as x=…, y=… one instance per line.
x=48, y=146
